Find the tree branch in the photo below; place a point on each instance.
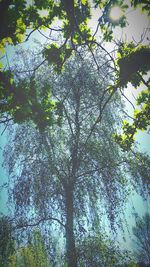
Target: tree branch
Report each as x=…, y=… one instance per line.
x=24, y=225
x=127, y=99
x=99, y=118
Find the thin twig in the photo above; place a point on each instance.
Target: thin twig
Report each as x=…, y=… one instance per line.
x=127, y=99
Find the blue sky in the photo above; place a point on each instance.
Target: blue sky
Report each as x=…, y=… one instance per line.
x=3, y=174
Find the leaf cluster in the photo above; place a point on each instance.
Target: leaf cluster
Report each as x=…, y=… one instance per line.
x=21, y=101
x=143, y=4
x=132, y=61
x=105, y=21
x=57, y=55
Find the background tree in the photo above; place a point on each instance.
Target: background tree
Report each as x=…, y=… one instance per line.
x=58, y=165
x=142, y=238
x=31, y=255
x=7, y=243
x=98, y=250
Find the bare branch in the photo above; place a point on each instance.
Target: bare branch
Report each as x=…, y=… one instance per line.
x=33, y=70
x=127, y=99
x=48, y=38
x=28, y=35
x=128, y=115
x=99, y=118
x=25, y=225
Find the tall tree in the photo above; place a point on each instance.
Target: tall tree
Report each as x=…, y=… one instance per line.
x=68, y=174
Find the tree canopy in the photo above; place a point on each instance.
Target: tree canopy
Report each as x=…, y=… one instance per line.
x=70, y=20
x=69, y=161
x=57, y=166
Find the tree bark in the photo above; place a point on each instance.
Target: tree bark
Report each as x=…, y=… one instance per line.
x=70, y=239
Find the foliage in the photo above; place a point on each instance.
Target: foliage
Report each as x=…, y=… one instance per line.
x=30, y=16
x=133, y=64
x=56, y=55
x=75, y=33
x=57, y=167
x=140, y=169
x=11, y=31
x=32, y=255
x=74, y=16
x=145, y=5
x=21, y=102
x=7, y=244
x=142, y=237
x=100, y=251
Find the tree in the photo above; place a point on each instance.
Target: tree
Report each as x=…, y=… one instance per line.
x=7, y=245
x=75, y=32
x=142, y=234
x=74, y=16
x=99, y=250
x=66, y=174
x=32, y=255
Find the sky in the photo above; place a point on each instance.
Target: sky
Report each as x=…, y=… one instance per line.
x=3, y=174
x=137, y=24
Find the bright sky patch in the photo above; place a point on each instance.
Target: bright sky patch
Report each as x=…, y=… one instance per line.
x=115, y=13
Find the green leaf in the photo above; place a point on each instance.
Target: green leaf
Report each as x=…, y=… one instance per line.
x=83, y=2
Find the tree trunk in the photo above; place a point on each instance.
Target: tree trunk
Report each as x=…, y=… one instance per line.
x=70, y=239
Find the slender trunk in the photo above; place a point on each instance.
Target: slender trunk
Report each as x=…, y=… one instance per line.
x=70, y=239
